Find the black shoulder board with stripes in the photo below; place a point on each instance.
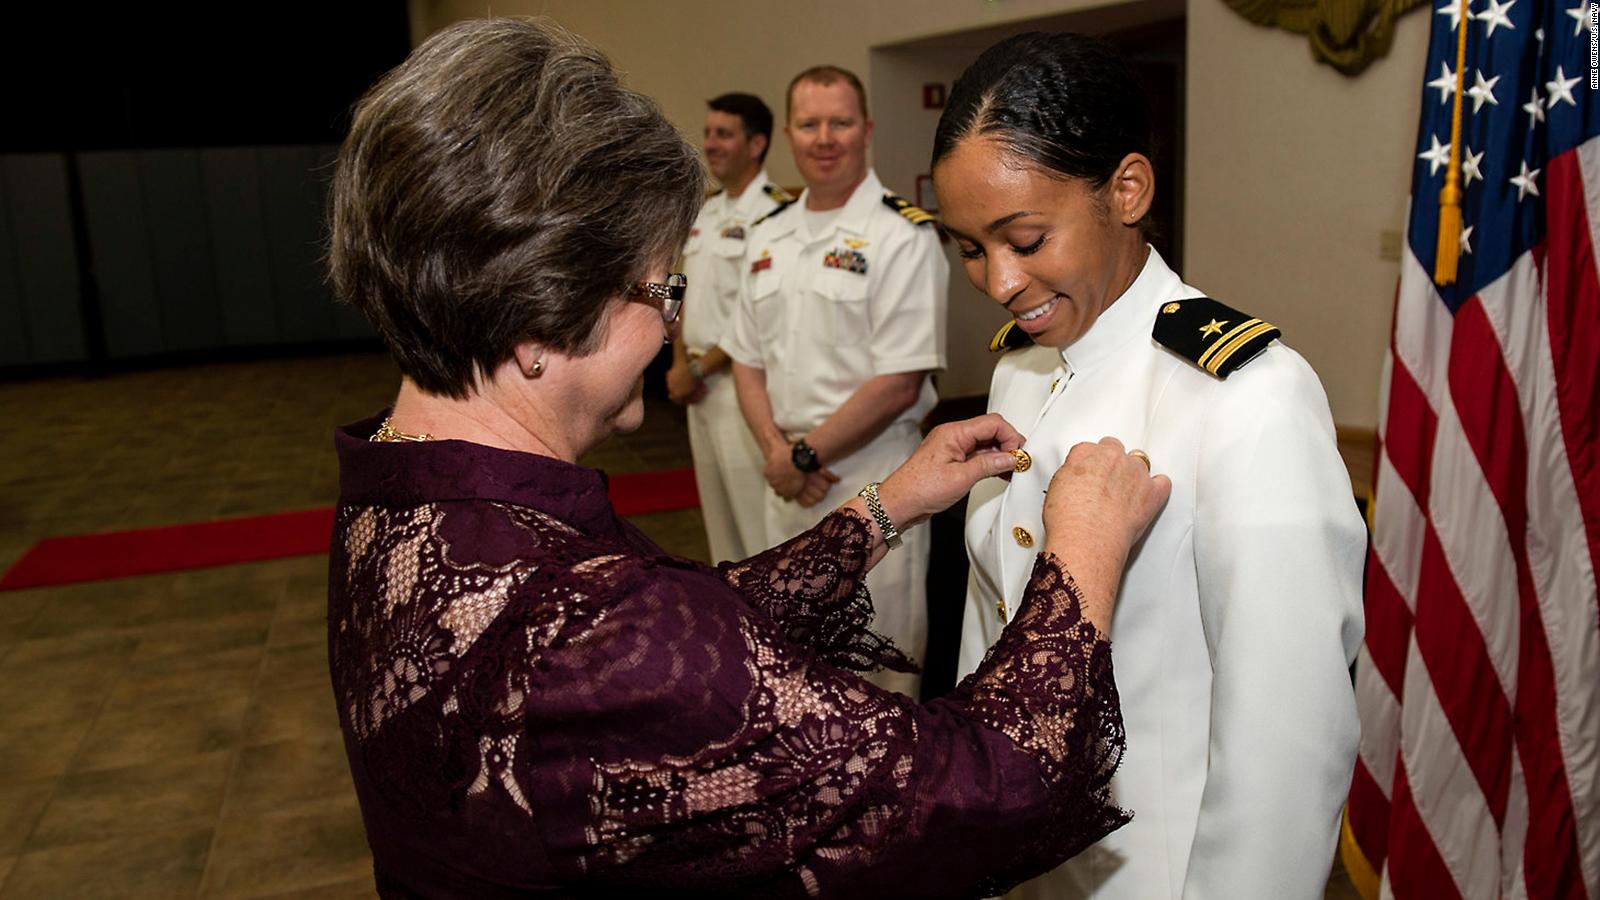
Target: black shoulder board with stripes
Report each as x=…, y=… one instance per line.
x=778, y=194
x=782, y=205
x=1215, y=337
x=1009, y=337
x=916, y=215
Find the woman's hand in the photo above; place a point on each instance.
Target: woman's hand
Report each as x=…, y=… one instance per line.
x=952, y=458
x=1098, y=505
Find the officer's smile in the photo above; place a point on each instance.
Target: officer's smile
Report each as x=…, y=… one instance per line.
x=1038, y=318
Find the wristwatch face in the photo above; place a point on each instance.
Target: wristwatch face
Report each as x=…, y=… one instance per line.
x=803, y=457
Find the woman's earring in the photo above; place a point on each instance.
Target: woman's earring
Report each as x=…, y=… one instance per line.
x=537, y=369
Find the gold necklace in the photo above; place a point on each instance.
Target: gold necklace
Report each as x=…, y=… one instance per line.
x=387, y=433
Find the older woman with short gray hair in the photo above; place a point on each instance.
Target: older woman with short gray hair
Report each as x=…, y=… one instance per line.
x=539, y=701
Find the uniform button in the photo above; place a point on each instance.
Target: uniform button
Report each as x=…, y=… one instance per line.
x=1024, y=539
x=1024, y=461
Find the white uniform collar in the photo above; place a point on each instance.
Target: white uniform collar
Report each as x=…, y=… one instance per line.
x=1127, y=318
x=853, y=217
x=753, y=202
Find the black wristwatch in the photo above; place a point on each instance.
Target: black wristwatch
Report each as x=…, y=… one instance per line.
x=803, y=457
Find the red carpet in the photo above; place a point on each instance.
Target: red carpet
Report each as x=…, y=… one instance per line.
x=198, y=545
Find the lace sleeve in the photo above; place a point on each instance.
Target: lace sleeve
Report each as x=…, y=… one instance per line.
x=1047, y=684
x=798, y=779
x=814, y=587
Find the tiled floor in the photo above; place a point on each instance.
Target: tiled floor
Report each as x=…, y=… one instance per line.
x=174, y=735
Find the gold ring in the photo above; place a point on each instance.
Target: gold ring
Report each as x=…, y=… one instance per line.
x=1141, y=456
x=1024, y=461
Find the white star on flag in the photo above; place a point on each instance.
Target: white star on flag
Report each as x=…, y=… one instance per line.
x=1534, y=108
x=1453, y=10
x=1436, y=156
x=1483, y=91
x=1580, y=15
x=1466, y=239
x=1495, y=15
x=1560, y=89
x=1469, y=167
x=1445, y=83
x=1525, y=183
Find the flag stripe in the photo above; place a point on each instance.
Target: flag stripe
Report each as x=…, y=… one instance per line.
x=1421, y=874
x=1467, y=517
x=1444, y=789
x=1369, y=813
x=1456, y=660
x=1388, y=625
x=1399, y=547
x=1409, y=433
x=1379, y=711
x=1513, y=839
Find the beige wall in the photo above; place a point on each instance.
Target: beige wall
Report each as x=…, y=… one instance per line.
x=1293, y=170
x=683, y=52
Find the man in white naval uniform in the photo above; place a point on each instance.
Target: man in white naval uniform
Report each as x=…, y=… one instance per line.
x=840, y=320
x=1239, y=613
x=727, y=461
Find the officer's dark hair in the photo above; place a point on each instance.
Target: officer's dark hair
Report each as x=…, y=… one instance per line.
x=1067, y=103
x=755, y=115
x=501, y=186
x=825, y=75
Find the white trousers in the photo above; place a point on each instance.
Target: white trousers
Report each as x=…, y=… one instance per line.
x=899, y=581
x=727, y=469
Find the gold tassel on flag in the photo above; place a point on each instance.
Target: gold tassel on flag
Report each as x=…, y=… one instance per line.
x=1449, y=249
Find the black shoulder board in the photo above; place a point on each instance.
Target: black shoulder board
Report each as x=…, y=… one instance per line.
x=778, y=194
x=1214, y=337
x=1009, y=337
x=782, y=205
x=916, y=215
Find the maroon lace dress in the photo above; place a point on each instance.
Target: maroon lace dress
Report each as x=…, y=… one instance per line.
x=538, y=701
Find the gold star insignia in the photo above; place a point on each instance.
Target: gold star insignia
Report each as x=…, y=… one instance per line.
x=1213, y=329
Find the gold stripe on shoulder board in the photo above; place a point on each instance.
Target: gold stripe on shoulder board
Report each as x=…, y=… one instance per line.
x=1224, y=340
x=1239, y=343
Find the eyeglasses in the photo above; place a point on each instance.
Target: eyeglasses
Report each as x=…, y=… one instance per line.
x=670, y=295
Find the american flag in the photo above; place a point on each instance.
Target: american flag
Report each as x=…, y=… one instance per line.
x=1479, y=682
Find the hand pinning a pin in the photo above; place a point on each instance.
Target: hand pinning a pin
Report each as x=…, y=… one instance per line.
x=1024, y=461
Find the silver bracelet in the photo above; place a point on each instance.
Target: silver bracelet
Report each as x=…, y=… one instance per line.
x=891, y=536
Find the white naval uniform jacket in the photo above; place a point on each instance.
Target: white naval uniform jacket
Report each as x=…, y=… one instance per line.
x=1239, y=612
x=712, y=259
x=824, y=313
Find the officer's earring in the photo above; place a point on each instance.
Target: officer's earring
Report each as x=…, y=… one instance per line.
x=536, y=369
